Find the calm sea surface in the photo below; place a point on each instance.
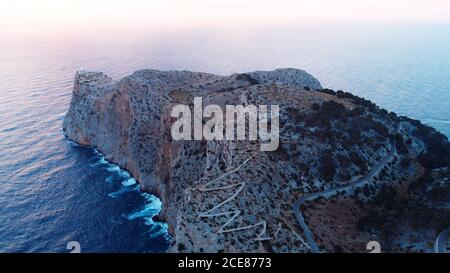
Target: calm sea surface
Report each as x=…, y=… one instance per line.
x=53, y=192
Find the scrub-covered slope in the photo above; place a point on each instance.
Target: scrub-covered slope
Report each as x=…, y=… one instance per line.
x=345, y=172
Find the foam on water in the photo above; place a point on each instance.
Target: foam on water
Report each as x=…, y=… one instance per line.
x=110, y=167
x=109, y=179
x=162, y=230
x=152, y=208
x=123, y=173
x=122, y=191
x=113, y=168
x=153, y=204
x=99, y=162
x=128, y=182
x=148, y=212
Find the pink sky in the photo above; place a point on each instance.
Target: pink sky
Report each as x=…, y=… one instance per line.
x=32, y=15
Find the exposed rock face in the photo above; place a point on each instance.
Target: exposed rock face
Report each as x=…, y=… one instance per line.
x=230, y=196
x=290, y=76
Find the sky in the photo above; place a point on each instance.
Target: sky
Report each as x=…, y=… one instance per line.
x=41, y=15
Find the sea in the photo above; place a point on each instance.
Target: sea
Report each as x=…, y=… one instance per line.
x=54, y=192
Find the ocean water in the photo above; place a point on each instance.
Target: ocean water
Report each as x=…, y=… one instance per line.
x=53, y=191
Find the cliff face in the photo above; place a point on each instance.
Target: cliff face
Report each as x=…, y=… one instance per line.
x=230, y=196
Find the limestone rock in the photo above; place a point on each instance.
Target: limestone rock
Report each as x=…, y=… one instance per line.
x=228, y=195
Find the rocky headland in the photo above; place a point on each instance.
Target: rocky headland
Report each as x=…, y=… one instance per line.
x=345, y=173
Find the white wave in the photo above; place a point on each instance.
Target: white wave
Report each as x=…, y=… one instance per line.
x=123, y=190
x=119, y=171
x=152, y=199
x=101, y=161
x=109, y=179
x=123, y=173
x=129, y=182
x=113, y=168
x=149, y=210
x=160, y=229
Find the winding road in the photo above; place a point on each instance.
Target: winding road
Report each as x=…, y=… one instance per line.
x=210, y=213
x=355, y=183
x=440, y=245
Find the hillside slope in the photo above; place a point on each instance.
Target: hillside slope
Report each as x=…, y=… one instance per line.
x=350, y=171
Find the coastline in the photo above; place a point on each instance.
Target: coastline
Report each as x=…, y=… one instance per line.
x=128, y=121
